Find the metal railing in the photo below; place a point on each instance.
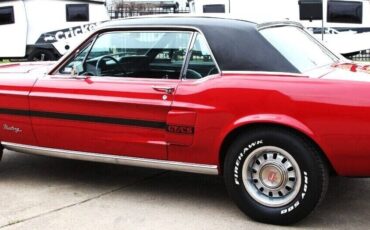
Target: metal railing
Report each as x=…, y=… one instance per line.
x=362, y=56
x=132, y=12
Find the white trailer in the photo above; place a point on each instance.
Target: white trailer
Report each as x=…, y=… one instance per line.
x=344, y=25
x=46, y=29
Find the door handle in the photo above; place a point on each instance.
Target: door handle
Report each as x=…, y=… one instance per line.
x=164, y=89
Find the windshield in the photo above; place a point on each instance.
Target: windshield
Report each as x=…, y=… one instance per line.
x=298, y=47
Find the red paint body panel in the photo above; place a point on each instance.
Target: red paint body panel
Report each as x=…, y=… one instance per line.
x=333, y=113
x=14, y=91
x=103, y=97
x=181, y=122
x=330, y=112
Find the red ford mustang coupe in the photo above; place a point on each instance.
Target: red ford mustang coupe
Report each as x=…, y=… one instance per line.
x=264, y=105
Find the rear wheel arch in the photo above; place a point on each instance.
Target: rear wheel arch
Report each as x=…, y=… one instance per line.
x=231, y=136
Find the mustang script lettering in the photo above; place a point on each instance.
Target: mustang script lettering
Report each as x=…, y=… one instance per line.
x=12, y=128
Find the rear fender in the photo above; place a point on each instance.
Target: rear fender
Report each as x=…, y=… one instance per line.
x=271, y=119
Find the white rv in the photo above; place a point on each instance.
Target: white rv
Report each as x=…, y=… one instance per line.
x=344, y=25
x=46, y=29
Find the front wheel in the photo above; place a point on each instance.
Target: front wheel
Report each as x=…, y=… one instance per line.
x=275, y=176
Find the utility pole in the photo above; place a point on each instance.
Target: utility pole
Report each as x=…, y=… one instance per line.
x=324, y=10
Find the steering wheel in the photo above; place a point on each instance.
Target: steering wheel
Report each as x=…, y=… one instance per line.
x=212, y=71
x=192, y=74
x=98, y=63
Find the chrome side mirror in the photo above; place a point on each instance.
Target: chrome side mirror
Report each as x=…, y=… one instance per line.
x=76, y=70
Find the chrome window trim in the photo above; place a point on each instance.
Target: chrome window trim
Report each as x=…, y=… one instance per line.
x=114, y=159
x=185, y=64
x=211, y=52
x=153, y=28
x=188, y=56
x=279, y=24
x=191, y=35
x=270, y=73
x=196, y=35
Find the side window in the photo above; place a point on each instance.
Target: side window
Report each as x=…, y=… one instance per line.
x=77, y=12
x=135, y=54
x=310, y=10
x=77, y=62
x=214, y=8
x=201, y=63
x=6, y=15
x=345, y=12
x=174, y=57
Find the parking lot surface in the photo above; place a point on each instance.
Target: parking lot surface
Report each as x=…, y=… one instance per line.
x=49, y=193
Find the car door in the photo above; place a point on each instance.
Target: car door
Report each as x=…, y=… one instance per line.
x=193, y=120
x=112, y=97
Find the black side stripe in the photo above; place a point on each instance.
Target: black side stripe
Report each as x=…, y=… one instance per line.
x=86, y=118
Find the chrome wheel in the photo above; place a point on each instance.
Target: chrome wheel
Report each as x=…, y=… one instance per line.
x=271, y=176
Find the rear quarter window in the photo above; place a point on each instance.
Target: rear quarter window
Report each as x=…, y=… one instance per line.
x=298, y=47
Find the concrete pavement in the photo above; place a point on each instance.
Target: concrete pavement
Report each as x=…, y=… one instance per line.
x=49, y=193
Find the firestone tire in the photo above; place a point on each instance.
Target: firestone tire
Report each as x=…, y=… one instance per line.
x=275, y=176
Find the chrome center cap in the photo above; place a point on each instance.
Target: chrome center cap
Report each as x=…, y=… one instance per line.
x=271, y=176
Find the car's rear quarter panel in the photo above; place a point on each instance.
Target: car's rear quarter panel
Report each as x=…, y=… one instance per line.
x=334, y=114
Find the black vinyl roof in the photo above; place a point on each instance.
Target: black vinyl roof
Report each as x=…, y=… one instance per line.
x=236, y=44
